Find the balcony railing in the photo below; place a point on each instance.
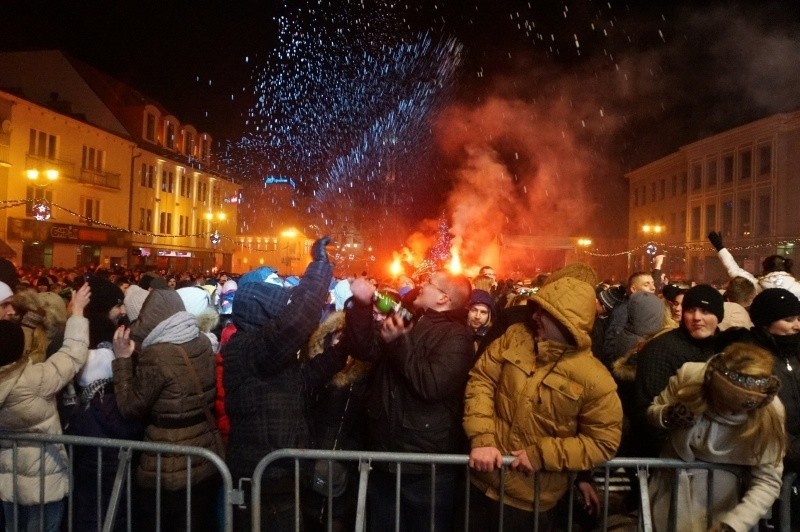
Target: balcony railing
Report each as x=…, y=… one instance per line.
x=65, y=169
x=100, y=179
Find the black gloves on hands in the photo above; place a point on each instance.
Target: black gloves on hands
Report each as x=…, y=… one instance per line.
x=716, y=240
x=318, y=251
x=678, y=416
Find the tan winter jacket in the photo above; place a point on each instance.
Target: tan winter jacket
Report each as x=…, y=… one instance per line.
x=28, y=404
x=561, y=407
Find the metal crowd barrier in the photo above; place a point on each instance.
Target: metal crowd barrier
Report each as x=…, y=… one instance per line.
x=642, y=467
x=230, y=496
x=122, y=479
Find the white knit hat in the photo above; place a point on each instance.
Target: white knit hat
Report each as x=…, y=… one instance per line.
x=195, y=299
x=134, y=299
x=5, y=292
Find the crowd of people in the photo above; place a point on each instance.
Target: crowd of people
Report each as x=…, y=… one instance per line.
x=561, y=377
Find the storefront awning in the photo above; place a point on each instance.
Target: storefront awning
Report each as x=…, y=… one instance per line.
x=5, y=250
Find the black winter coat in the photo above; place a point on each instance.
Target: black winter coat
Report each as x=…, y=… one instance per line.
x=787, y=369
x=415, y=400
x=100, y=418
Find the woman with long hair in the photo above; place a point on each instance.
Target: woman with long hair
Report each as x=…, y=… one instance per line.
x=724, y=411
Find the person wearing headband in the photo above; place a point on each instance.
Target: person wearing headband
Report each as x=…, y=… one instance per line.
x=724, y=411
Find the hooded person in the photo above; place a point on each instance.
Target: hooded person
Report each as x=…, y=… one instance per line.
x=170, y=388
x=28, y=404
x=546, y=365
x=646, y=317
x=267, y=386
x=481, y=313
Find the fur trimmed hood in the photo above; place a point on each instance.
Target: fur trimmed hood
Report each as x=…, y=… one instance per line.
x=354, y=370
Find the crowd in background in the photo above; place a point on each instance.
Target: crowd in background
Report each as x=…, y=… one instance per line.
x=562, y=375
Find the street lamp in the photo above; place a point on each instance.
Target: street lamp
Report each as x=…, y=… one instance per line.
x=41, y=206
x=214, y=218
x=651, y=248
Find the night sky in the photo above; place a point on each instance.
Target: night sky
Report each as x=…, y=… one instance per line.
x=528, y=112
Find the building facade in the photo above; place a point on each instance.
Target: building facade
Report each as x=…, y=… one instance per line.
x=133, y=185
x=744, y=183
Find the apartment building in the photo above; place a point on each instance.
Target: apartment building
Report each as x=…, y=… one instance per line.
x=130, y=183
x=744, y=182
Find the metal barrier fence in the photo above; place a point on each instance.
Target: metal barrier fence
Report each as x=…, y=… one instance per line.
x=122, y=485
x=230, y=497
x=642, y=467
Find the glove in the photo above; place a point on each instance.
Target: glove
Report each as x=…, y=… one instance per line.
x=716, y=240
x=318, y=251
x=678, y=416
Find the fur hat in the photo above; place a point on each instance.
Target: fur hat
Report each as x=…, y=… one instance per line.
x=482, y=297
x=773, y=304
x=257, y=303
x=55, y=312
x=105, y=296
x=706, y=297
x=13, y=340
x=134, y=299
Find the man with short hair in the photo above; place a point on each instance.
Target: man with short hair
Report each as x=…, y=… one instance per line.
x=695, y=340
x=416, y=397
